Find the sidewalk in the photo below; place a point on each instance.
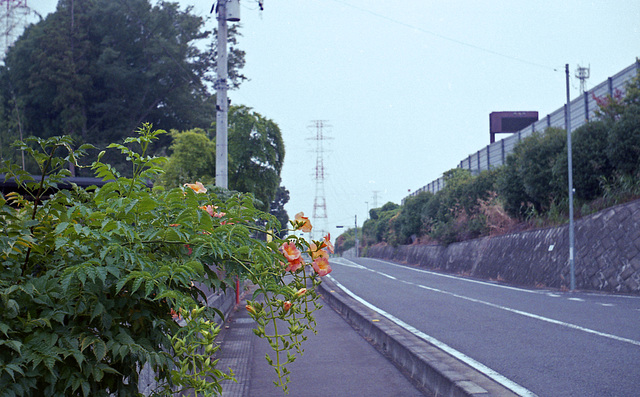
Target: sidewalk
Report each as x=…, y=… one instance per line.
x=337, y=361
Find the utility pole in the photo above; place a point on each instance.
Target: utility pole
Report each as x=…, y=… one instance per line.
x=572, y=268
x=222, y=104
x=227, y=10
x=222, y=161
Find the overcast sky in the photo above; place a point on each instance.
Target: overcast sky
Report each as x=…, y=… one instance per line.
x=407, y=86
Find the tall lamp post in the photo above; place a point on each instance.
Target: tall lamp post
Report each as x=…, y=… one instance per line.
x=572, y=267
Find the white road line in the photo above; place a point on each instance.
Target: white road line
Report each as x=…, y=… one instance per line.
x=523, y=313
x=490, y=373
x=386, y=275
x=459, y=278
x=527, y=314
x=534, y=316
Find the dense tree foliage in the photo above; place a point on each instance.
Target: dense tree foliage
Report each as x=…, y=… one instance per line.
x=590, y=161
x=193, y=158
x=459, y=211
x=277, y=206
x=534, y=170
x=347, y=240
x=97, y=69
x=256, y=156
x=377, y=228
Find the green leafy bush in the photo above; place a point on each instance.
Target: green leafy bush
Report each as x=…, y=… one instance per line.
x=92, y=279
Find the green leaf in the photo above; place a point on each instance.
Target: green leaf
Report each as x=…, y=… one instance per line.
x=98, y=309
x=99, y=349
x=195, y=266
x=97, y=373
x=61, y=242
x=12, y=344
x=62, y=226
x=4, y=328
x=120, y=285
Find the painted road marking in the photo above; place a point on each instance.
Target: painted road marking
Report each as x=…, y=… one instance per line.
x=523, y=313
x=468, y=280
x=531, y=315
x=504, y=381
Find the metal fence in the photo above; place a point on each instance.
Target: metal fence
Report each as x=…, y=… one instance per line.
x=582, y=110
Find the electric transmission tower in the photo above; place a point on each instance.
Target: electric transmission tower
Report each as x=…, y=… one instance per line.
x=13, y=18
x=319, y=203
x=582, y=74
x=375, y=198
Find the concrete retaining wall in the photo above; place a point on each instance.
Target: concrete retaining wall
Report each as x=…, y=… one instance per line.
x=607, y=254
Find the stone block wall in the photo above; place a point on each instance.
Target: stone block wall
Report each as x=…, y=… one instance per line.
x=607, y=254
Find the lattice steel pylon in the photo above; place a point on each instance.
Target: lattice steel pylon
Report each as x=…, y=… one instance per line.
x=582, y=74
x=13, y=18
x=319, y=217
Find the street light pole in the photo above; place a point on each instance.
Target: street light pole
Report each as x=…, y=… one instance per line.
x=357, y=244
x=572, y=268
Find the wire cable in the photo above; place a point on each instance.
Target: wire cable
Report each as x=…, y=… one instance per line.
x=443, y=37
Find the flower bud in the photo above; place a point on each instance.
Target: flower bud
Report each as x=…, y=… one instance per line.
x=287, y=305
x=300, y=292
x=251, y=309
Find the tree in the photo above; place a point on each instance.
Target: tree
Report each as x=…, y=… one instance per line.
x=192, y=159
x=623, y=144
x=256, y=154
x=534, y=166
x=410, y=216
x=589, y=159
x=510, y=187
x=277, y=206
x=97, y=69
x=380, y=228
x=346, y=240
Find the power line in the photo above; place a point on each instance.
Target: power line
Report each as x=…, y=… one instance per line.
x=443, y=37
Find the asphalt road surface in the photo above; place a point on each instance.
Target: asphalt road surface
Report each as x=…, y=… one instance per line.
x=537, y=342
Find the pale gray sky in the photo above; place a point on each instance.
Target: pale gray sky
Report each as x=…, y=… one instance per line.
x=407, y=87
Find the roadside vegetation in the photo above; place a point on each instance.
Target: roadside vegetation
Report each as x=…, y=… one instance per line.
x=529, y=191
x=98, y=282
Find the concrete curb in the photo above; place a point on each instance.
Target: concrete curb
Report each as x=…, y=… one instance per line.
x=427, y=366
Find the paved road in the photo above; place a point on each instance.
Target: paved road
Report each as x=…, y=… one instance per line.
x=548, y=343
